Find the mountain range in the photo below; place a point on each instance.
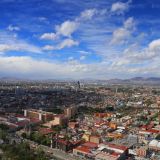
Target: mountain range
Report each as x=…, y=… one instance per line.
x=134, y=80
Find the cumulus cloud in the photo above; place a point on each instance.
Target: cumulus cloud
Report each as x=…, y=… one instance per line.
x=66, y=28
x=28, y=67
x=129, y=23
x=134, y=55
x=48, y=48
x=88, y=14
x=5, y=47
x=149, y=53
x=67, y=43
x=48, y=36
x=10, y=42
x=13, y=28
x=70, y=58
x=120, y=7
x=82, y=57
x=19, y=47
x=120, y=35
x=155, y=45
x=84, y=52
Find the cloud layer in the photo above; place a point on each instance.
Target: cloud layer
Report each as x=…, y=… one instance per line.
x=77, y=39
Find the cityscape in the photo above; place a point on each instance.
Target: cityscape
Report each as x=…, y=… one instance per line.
x=79, y=80
x=79, y=120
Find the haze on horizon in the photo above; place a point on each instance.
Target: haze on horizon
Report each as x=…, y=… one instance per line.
x=56, y=39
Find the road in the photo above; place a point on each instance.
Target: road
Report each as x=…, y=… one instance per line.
x=55, y=153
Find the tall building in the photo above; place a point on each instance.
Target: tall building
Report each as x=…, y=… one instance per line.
x=19, y=91
x=70, y=112
x=79, y=85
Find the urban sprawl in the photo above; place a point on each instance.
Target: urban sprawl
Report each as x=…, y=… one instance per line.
x=79, y=121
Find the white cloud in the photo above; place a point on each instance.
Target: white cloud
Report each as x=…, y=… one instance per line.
x=82, y=57
x=129, y=23
x=48, y=48
x=5, y=47
x=70, y=58
x=67, y=43
x=32, y=68
x=67, y=28
x=88, y=14
x=122, y=34
x=133, y=55
x=22, y=46
x=48, y=36
x=120, y=7
x=84, y=52
x=13, y=28
x=155, y=45
x=151, y=52
x=27, y=67
x=42, y=19
x=10, y=42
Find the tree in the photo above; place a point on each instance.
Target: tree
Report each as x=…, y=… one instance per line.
x=158, y=137
x=22, y=151
x=24, y=135
x=3, y=135
x=4, y=127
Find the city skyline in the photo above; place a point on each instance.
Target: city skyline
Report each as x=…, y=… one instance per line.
x=79, y=39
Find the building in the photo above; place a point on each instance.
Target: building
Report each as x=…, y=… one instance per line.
x=39, y=114
x=101, y=152
x=107, y=156
x=102, y=115
x=94, y=139
x=59, y=119
x=154, y=145
x=63, y=145
x=72, y=125
x=112, y=125
x=112, y=151
x=70, y=111
x=142, y=151
x=86, y=137
x=85, y=150
x=115, y=135
x=45, y=131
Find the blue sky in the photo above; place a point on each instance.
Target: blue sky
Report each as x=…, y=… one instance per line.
x=98, y=39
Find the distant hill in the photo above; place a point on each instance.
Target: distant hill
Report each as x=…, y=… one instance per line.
x=145, y=79
x=137, y=80
x=134, y=80
x=12, y=79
